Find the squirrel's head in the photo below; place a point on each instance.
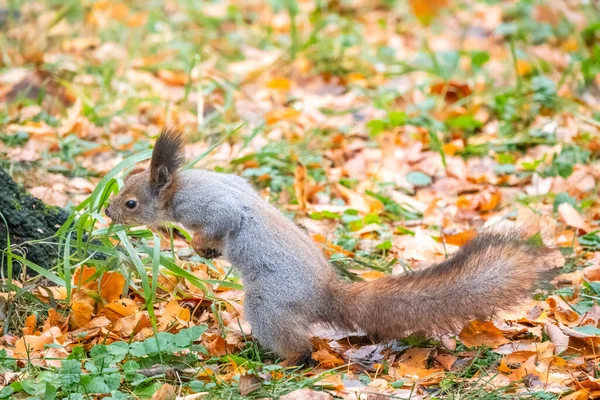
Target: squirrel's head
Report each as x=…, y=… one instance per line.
x=146, y=194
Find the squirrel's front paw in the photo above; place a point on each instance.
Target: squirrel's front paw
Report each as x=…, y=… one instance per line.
x=209, y=253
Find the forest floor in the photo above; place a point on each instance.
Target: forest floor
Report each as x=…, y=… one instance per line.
x=391, y=131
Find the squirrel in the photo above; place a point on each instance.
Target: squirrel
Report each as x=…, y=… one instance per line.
x=289, y=284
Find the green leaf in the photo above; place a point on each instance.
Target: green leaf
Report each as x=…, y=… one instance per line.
x=97, y=385
x=563, y=198
x=187, y=336
x=479, y=58
x=376, y=126
x=118, y=349
x=6, y=392
x=70, y=372
x=397, y=118
x=587, y=329
x=397, y=384
x=418, y=178
x=137, y=349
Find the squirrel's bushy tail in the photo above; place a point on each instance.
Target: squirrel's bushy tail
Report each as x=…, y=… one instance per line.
x=494, y=271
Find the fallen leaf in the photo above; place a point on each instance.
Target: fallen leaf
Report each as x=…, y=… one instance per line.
x=571, y=217
x=165, y=392
x=478, y=333
x=327, y=359
x=306, y=394
x=249, y=383
x=111, y=286
x=29, y=327
x=560, y=340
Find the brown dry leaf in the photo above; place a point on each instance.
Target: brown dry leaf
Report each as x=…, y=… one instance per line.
x=112, y=285
x=592, y=273
x=361, y=202
x=446, y=360
x=307, y=394
x=29, y=327
x=571, y=217
x=478, y=333
x=560, y=340
x=217, y=346
x=452, y=91
x=416, y=357
x=562, y=312
x=165, y=392
x=327, y=359
x=249, y=383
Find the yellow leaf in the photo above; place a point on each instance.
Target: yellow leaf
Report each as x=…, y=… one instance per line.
x=523, y=67
x=287, y=113
x=279, y=84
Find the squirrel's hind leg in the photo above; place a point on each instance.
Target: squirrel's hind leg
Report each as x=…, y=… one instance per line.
x=282, y=332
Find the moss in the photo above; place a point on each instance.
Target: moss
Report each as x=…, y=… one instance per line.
x=28, y=218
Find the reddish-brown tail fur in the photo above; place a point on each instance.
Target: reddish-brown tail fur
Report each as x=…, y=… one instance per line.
x=494, y=271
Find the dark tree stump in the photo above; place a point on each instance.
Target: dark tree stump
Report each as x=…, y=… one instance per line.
x=28, y=218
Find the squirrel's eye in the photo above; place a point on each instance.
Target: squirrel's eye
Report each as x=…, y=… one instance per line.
x=131, y=204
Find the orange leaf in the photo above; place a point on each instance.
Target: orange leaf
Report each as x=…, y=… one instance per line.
x=174, y=310
x=578, y=395
x=119, y=309
x=54, y=319
x=403, y=370
x=425, y=10
x=489, y=201
x=460, y=239
x=300, y=186
x=81, y=314
x=29, y=327
x=327, y=359
x=29, y=343
x=174, y=78
x=478, y=333
x=83, y=276
x=111, y=286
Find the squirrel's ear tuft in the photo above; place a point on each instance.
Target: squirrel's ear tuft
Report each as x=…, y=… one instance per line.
x=167, y=157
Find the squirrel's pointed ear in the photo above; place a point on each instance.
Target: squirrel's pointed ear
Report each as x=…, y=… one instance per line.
x=162, y=179
x=167, y=157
